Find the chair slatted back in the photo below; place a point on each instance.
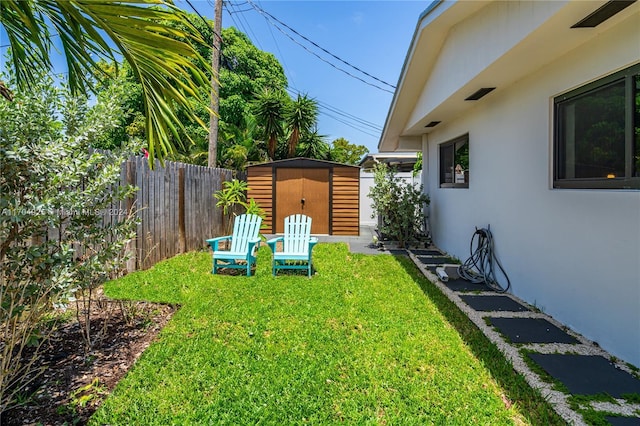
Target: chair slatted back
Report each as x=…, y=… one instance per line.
x=297, y=232
x=245, y=228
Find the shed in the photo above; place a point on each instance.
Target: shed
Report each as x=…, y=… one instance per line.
x=326, y=191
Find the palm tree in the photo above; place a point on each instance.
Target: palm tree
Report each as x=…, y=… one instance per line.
x=163, y=58
x=269, y=110
x=301, y=117
x=237, y=145
x=314, y=145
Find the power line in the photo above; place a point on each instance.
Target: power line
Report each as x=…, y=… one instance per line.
x=238, y=11
x=216, y=31
x=260, y=10
x=239, y=24
x=345, y=118
x=350, y=125
x=345, y=114
x=269, y=17
x=354, y=118
x=290, y=77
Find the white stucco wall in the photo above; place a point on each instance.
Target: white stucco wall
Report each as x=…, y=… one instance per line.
x=366, y=182
x=575, y=254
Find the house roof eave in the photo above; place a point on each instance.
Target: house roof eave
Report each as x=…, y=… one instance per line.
x=431, y=28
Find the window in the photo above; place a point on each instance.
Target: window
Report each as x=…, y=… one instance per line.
x=597, y=134
x=454, y=163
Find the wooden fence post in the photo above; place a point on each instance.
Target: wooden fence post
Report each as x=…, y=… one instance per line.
x=131, y=249
x=182, y=236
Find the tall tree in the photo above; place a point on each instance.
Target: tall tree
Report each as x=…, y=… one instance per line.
x=244, y=72
x=162, y=58
x=301, y=117
x=238, y=145
x=343, y=151
x=269, y=110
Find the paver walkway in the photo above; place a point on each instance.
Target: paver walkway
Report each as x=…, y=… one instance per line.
x=527, y=336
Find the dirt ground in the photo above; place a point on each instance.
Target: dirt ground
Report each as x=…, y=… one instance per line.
x=76, y=381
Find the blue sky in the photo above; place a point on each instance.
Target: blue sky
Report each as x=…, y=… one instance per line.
x=371, y=35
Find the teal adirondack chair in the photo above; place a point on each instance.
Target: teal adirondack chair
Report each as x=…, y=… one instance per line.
x=297, y=244
x=244, y=245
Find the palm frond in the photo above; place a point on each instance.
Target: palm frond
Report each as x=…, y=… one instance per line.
x=162, y=58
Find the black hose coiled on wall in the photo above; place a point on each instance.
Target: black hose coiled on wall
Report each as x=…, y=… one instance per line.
x=480, y=267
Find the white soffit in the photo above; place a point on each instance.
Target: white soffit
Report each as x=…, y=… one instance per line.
x=545, y=36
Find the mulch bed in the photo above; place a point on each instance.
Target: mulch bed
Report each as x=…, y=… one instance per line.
x=76, y=381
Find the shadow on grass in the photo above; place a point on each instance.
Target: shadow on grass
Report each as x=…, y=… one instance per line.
x=531, y=403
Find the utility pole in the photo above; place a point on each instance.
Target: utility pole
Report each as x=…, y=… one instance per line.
x=215, y=83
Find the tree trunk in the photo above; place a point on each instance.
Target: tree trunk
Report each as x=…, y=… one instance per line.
x=272, y=147
x=293, y=142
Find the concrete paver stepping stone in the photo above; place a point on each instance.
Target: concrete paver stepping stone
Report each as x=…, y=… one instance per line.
x=531, y=330
x=493, y=303
x=588, y=374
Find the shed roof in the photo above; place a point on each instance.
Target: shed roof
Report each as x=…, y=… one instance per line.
x=302, y=162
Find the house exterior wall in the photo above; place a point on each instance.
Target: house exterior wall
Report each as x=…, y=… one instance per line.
x=575, y=254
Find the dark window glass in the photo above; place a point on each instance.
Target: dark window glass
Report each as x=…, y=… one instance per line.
x=636, y=125
x=592, y=128
x=454, y=163
x=597, y=142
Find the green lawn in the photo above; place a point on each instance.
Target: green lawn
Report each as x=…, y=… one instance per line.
x=368, y=340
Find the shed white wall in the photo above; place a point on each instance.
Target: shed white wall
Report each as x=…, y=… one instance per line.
x=575, y=254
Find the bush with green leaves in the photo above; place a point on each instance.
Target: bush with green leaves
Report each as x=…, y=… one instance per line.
x=233, y=197
x=63, y=230
x=399, y=205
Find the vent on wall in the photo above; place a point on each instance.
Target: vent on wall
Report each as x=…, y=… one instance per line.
x=603, y=13
x=432, y=124
x=480, y=93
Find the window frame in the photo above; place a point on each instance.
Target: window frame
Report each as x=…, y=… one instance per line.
x=628, y=181
x=447, y=144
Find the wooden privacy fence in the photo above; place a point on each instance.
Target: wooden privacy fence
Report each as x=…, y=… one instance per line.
x=175, y=207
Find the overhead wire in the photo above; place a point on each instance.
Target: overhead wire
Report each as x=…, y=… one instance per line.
x=238, y=11
x=336, y=114
x=289, y=75
x=267, y=15
x=295, y=91
x=216, y=32
x=353, y=118
x=350, y=120
x=245, y=28
x=351, y=125
x=262, y=11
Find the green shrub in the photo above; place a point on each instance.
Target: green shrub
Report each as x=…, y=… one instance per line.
x=58, y=232
x=232, y=197
x=399, y=205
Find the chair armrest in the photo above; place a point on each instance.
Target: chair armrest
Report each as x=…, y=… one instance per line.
x=272, y=242
x=213, y=242
x=252, y=244
x=312, y=242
